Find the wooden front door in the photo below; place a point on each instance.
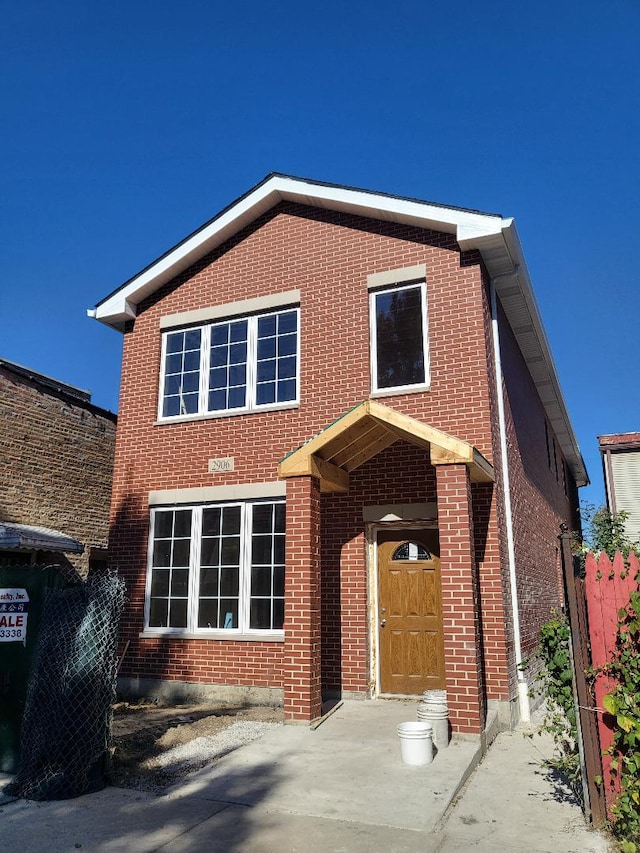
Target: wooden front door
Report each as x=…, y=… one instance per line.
x=410, y=644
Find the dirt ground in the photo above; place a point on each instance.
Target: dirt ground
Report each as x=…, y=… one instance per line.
x=143, y=731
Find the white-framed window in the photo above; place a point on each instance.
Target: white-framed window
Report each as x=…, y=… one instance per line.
x=216, y=568
x=399, y=343
x=231, y=366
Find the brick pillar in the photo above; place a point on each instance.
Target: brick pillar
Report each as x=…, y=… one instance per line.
x=460, y=600
x=301, y=670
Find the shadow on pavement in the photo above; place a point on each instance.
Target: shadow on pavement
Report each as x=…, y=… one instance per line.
x=116, y=820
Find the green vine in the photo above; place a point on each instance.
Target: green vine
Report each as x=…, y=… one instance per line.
x=554, y=682
x=623, y=703
x=605, y=531
x=602, y=530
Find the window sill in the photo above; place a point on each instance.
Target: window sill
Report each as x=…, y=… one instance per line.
x=399, y=392
x=269, y=637
x=235, y=413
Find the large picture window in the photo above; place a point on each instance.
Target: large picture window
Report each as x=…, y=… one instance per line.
x=217, y=568
x=232, y=366
x=399, y=351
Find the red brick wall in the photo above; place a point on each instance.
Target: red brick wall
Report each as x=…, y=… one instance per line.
x=301, y=663
x=461, y=620
x=327, y=256
x=491, y=545
x=400, y=474
x=539, y=502
x=57, y=462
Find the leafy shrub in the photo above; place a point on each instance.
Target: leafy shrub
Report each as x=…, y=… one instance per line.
x=623, y=703
x=555, y=684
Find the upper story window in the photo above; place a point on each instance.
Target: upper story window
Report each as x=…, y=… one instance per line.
x=399, y=349
x=235, y=365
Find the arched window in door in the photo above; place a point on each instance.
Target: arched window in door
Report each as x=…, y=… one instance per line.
x=411, y=551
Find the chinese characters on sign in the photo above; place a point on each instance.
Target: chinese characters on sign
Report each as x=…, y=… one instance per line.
x=14, y=609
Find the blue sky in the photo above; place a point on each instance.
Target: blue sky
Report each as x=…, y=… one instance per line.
x=124, y=126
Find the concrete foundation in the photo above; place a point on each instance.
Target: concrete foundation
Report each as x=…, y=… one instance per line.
x=506, y=711
x=181, y=692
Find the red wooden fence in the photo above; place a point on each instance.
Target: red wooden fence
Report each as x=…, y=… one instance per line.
x=608, y=585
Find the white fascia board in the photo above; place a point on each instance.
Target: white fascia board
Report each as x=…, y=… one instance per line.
x=121, y=312
x=386, y=208
x=122, y=304
x=468, y=233
x=126, y=299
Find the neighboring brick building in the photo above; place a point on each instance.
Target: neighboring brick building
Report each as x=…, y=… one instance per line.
x=621, y=467
x=57, y=466
x=334, y=350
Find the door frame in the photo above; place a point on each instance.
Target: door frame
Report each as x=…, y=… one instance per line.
x=371, y=533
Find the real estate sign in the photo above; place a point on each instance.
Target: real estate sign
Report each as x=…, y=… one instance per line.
x=14, y=610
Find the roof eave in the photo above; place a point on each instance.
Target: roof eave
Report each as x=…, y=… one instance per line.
x=122, y=304
x=504, y=258
x=21, y=537
x=493, y=236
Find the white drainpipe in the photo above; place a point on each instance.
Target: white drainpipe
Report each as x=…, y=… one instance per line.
x=523, y=688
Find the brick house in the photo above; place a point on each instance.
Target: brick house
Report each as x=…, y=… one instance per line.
x=621, y=468
x=330, y=355
x=57, y=453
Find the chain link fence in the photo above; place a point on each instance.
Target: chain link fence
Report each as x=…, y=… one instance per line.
x=66, y=727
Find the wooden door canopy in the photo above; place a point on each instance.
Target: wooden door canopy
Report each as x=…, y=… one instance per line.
x=362, y=433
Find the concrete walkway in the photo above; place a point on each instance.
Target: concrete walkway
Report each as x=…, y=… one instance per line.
x=341, y=787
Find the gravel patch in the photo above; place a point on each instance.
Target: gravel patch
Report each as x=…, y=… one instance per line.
x=154, y=745
x=201, y=750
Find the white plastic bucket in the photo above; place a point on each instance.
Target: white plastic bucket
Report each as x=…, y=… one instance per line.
x=435, y=707
x=416, y=743
x=438, y=696
x=437, y=716
x=436, y=712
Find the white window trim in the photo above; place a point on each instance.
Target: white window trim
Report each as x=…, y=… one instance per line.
x=373, y=343
x=252, y=345
x=243, y=631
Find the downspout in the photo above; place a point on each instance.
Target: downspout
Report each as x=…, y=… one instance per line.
x=610, y=482
x=523, y=688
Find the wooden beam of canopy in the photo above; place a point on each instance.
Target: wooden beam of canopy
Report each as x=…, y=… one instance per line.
x=365, y=431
